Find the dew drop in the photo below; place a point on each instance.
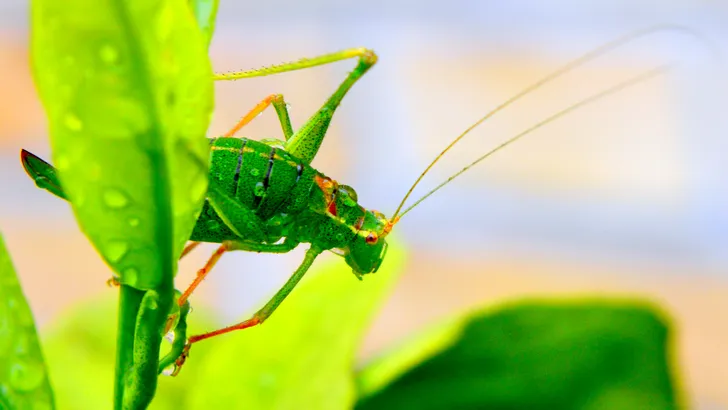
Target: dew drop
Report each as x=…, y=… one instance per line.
x=26, y=375
x=152, y=304
x=259, y=189
x=169, y=336
x=79, y=199
x=72, y=122
x=109, y=54
x=130, y=275
x=133, y=222
x=114, y=198
x=115, y=250
x=170, y=370
x=339, y=236
x=254, y=172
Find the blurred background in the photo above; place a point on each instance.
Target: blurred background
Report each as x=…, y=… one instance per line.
x=626, y=197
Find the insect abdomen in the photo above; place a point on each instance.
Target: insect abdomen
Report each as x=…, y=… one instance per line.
x=262, y=178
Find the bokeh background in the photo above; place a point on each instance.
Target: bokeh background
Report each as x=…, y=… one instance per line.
x=627, y=197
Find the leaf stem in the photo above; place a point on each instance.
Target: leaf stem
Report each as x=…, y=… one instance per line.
x=129, y=301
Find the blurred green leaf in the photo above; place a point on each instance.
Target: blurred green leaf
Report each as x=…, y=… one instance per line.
x=127, y=87
x=303, y=356
x=205, y=12
x=23, y=376
x=534, y=355
x=80, y=345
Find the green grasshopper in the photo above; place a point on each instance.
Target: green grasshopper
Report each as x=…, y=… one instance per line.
x=264, y=196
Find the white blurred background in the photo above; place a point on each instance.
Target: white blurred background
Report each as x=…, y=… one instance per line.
x=627, y=196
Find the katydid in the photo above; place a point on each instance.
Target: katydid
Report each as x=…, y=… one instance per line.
x=264, y=196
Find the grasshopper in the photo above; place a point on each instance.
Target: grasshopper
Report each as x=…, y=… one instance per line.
x=264, y=196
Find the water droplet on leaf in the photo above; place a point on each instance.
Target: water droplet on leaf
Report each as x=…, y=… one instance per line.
x=72, y=122
x=130, y=275
x=115, y=250
x=152, y=304
x=114, y=198
x=26, y=375
x=170, y=370
x=254, y=172
x=109, y=54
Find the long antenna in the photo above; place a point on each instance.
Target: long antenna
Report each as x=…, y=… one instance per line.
x=625, y=84
x=597, y=52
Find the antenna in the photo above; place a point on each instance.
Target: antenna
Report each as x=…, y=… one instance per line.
x=597, y=52
x=621, y=86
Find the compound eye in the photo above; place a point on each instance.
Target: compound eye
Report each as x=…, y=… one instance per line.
x=372, y=238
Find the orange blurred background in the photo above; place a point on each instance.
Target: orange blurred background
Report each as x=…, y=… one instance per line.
x=627, y=196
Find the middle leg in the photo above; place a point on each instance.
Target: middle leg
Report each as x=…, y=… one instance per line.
x=305, y=143
x=227, y=246
x=261, y=315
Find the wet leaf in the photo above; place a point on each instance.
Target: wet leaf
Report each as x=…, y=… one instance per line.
x=23, y=375
x=127, y=89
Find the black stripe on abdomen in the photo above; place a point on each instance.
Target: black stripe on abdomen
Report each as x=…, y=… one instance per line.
x=266, y=179
x=236, y=177
x=287, y=200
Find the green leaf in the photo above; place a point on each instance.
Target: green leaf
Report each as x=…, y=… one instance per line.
x=534, y=355
x=127, y=87
x=23, y=376
x=80, y=345
x=303, y=356
x=205, y=12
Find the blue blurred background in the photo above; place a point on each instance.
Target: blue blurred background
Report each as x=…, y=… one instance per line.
x=627, y=196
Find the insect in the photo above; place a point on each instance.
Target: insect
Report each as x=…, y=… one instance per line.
x=264, y=196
